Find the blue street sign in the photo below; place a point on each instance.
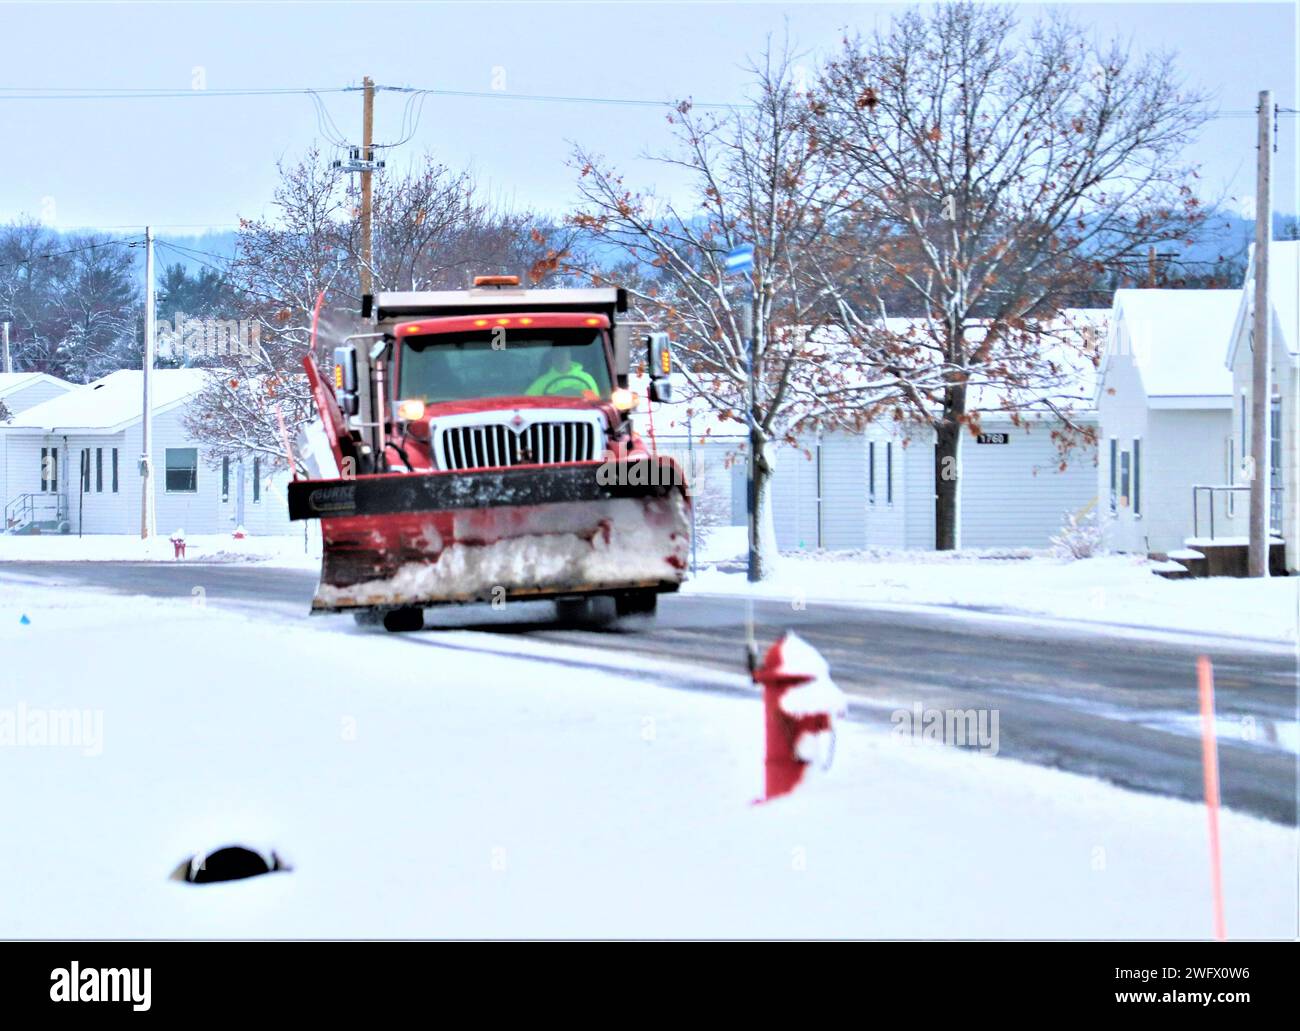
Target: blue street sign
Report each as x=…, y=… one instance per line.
x=739, y=259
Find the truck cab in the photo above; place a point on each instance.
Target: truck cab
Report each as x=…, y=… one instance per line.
x=485, y=450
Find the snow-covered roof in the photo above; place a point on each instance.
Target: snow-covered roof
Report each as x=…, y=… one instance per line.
x=15, y=381
x=1175, y=338
x=1284, y=293
x=110, y=404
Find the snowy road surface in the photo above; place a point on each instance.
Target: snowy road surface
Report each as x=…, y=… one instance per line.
x=423, y=790
x=1118, y=707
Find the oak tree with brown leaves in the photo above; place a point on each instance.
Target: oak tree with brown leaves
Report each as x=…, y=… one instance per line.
x=990, y=172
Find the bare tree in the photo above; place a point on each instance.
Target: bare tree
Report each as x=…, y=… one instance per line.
x=282, y=264
x=430, y=231
x=990, y=175
x=755, y=176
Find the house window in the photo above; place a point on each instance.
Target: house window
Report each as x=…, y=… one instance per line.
x=889, y=472
x=1125, y=498
x=257, y=480
x=49, y=470
x=871, y=472
x=1137, y=477
x=1245, y=437
x=182, y=464
x=225, y=478
x=85, y=470
x=114, y=470
x=1114, y=494
x=99, y=470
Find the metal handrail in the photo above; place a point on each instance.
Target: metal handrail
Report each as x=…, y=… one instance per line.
x=1212, y=489
x=22, y=510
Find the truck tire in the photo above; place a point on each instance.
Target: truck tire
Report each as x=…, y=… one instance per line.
x=402, y=621
x=637, y=603
x=571, y=611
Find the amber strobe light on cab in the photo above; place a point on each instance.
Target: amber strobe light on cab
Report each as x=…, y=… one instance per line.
x=496, y=280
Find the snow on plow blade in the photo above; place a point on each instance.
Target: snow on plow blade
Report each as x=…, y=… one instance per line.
x=399, y=539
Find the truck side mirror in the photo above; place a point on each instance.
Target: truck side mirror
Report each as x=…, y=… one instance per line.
x=345, y=379
x=659, y=361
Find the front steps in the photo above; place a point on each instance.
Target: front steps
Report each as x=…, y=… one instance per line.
x=1226, y=556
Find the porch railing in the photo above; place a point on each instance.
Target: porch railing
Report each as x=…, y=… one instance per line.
x=1274, y=514
x=34, y=507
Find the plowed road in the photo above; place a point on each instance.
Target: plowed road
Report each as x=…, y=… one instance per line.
x=1120, y=708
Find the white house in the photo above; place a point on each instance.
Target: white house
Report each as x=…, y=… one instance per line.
x=841, y=490
x=1284, y=420
x=20, y=391
x=1165, y=403
x=72, y=464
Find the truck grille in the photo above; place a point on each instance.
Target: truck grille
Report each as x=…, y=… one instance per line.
x=496, y=446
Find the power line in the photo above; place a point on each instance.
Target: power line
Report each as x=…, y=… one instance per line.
x=134, y=93
x=555, y=98
x=191, y=252
x=326, y=124
x=331, y=130
x=156, y=225
x=129, y=242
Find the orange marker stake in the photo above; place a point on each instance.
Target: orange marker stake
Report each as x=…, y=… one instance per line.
x=1210, y=764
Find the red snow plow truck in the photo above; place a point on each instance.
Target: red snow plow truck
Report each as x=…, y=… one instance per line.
x=479, y=447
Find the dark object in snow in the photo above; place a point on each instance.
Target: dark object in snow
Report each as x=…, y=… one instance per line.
x=229, y=863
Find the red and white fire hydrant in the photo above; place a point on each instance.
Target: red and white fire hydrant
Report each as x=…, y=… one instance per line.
x=800, y=703
x=178, y=544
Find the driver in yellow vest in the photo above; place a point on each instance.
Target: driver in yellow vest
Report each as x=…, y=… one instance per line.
x=564, y=377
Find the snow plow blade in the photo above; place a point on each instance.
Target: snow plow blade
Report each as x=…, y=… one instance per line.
x=421, y=539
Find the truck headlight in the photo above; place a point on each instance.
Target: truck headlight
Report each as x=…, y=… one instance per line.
x=624, y=400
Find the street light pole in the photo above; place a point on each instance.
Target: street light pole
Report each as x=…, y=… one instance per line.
x=1261, y=391
x=748, y=321
x=740, y=261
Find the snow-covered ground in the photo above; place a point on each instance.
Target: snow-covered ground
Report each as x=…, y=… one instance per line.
x=435, y=784
x=1111, y=589
x=284, y=550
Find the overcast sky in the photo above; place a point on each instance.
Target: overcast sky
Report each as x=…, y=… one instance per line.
x=204, y=159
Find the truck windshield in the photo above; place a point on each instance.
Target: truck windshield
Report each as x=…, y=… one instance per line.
x=467, y=366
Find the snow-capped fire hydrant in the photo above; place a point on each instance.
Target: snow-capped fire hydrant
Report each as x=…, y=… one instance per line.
x=800, y=703
x=178, y=543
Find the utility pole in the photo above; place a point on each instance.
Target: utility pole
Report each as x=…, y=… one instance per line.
x=368, y=156
x=146, y=422
x=1261, y=388
x=9, y=364
x=362, y=159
